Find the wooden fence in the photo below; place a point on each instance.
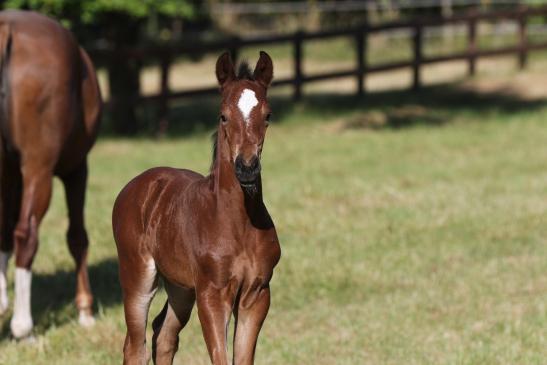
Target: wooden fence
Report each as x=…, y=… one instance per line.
x=165, y=56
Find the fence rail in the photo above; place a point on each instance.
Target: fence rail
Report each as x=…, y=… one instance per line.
x=295, y=7
x=165, y=55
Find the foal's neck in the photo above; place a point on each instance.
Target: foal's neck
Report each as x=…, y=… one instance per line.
x=235, y=201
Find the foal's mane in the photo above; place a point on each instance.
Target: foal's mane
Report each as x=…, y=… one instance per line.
x=243, y=73
x=214, y=139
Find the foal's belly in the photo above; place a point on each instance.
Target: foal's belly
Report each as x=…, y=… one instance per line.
x=175, y=266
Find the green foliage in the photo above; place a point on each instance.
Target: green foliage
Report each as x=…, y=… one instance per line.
x=89, y=10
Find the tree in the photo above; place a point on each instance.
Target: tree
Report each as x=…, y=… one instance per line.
x=120, y=24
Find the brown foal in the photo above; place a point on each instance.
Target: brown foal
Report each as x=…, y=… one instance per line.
x=210, y=239
x=50, y=108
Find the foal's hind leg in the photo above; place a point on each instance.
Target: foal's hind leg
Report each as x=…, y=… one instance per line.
x=37, y=181
x=75, y=185
x=138, y=277
x=170, y=322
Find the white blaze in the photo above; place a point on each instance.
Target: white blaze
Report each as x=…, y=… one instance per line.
x=4, y=257
x=247, y=101
x=21, y=323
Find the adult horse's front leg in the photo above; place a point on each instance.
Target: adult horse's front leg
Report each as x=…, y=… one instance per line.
x=35, y=201
x=214, y=311
x=250, y=314
x=75, y=185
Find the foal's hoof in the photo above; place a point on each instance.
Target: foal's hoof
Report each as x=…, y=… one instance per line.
x=86, y=318
x=21, y=328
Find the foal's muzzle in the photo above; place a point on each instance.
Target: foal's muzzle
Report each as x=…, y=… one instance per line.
x=247, y=171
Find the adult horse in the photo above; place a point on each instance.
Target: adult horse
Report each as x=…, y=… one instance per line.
x=50, y=107
x=210, y=239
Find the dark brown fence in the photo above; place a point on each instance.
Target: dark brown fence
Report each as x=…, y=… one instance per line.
x=165, y=56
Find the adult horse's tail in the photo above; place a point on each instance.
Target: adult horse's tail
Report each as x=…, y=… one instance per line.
x=6, y=207
x=5, y=51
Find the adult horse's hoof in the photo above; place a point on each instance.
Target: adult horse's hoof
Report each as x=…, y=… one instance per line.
x=21, y=327
x=4, y=304
x=86, y=318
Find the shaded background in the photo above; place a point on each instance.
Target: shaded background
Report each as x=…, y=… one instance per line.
x=129, y=41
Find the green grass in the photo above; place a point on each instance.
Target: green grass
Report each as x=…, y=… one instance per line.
x=421, y=242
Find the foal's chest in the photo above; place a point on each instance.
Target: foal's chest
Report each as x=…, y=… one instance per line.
x=249, y=260
x=258, y=264
x=258, y=257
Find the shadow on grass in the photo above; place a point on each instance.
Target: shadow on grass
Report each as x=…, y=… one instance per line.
x=393, y=109
x=53, y=295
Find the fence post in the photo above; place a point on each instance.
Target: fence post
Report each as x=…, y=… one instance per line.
x=472, y=45
x=418, y=35
x=361, y=49
x=163, y=113
x=523, y=40
x=298, y=36
x=234, y=48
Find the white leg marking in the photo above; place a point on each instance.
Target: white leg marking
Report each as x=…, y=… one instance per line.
x=4, y=302
x=149, y=288
x=86, y=319
x=21, y=323
x=151, y=273
x=247, y=101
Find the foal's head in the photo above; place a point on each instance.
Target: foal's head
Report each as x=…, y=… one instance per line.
x=244, y=113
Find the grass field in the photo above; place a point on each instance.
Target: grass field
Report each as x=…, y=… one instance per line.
x=420, y=241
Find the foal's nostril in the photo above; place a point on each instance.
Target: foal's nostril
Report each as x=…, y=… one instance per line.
x=239, y=161
x=252, y=163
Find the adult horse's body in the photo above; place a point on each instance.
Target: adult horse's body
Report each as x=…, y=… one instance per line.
x=50, y=108
x=210, y=238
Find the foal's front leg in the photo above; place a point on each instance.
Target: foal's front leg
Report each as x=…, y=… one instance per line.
x=250, y=314
x=214, y=311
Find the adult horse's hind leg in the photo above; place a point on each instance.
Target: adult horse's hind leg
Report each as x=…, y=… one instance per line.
x=170, y=322
x=10, y=195
x=37, y=181
x=75, y=185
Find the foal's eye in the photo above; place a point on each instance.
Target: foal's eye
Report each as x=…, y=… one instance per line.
x=223, y=118
x=268, y=117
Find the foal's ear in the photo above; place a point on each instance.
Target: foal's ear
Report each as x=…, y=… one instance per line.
x=264, y=70
x=225, y=69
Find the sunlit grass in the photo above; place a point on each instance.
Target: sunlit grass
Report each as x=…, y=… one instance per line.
x=411, y=245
